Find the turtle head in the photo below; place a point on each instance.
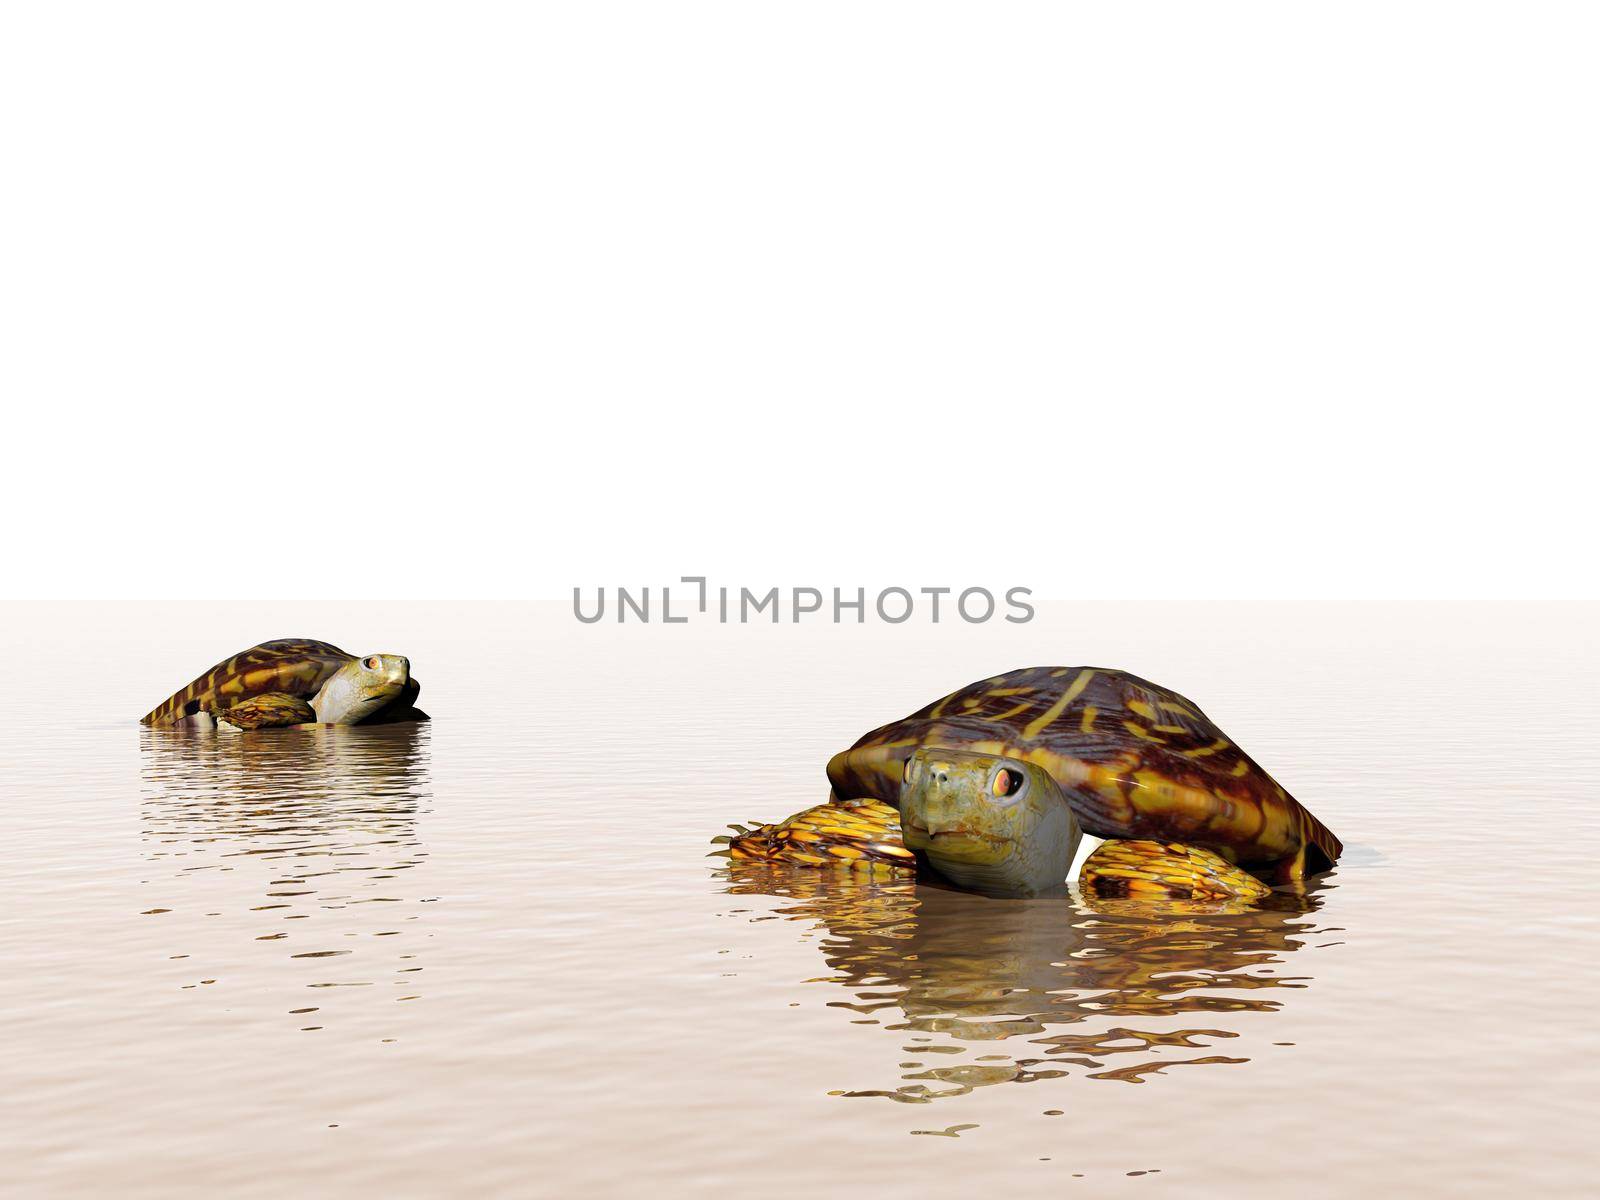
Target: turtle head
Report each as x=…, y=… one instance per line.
x=360, y=688
x=994, y=825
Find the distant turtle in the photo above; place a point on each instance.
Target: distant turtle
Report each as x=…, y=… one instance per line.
x=1131, y=760
x=295, y=681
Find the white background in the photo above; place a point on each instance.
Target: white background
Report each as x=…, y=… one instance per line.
x=490, y=300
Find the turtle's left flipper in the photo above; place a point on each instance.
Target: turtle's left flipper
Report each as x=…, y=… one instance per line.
x=270, y=710
x=1137, y=869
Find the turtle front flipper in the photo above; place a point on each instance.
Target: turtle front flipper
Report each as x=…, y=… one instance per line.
x=1136, y=869
x=863, y=838
x=270, y=710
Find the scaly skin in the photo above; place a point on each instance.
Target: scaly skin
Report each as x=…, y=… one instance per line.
x=993, y=825
x=864, y=839
x=1134, y=760
x=269, y=710
x=1165, y=871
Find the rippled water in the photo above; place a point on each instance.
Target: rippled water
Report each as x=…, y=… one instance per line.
x=489, y=954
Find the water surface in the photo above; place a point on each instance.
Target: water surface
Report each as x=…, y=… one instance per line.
x=489, y=955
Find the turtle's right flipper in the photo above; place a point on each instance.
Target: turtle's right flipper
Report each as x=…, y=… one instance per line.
x=270, y=710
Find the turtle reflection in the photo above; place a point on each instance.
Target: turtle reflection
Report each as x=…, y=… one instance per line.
x=315, y=783
x=1122, y=991
x=304, y=841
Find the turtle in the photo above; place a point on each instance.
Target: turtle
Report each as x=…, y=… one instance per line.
x=1185, y=811
x=294, y=681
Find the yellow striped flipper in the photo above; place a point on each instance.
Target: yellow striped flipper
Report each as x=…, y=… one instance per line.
x=863, y=838
x=1135, y=868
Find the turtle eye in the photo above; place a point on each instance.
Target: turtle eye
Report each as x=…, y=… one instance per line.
x=371, y=664
x=1007, y=782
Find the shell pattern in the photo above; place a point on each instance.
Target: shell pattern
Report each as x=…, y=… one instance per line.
x=294, y=666
x=1134, y=760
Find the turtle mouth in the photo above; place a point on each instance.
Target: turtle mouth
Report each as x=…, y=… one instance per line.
x=953, y=831
x=952, y=838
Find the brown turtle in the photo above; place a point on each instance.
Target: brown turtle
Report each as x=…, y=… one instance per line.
x=295, y=681
x=1185, y=807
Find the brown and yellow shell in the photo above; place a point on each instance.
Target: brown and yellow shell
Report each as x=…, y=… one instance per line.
x=1133, y=759
x=292, y=666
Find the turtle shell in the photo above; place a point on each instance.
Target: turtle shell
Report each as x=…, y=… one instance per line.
x=1134, y=760
x=294, y=666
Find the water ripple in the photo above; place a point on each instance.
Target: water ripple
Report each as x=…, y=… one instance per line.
x=958, y=972
x=302, y=825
